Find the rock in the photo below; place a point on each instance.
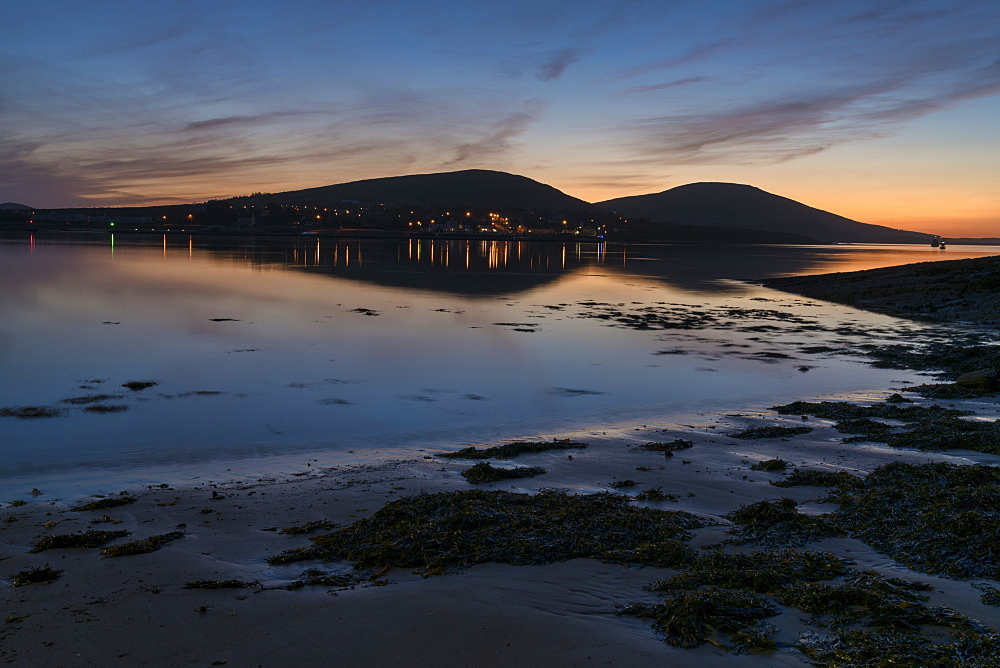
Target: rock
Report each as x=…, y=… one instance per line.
x=983, y=380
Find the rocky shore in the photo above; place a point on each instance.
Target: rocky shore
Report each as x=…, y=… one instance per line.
x=950, y=290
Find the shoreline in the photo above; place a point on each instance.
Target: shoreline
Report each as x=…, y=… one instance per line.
x=135, y=609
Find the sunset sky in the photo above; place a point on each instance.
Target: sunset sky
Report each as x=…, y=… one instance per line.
x=885, y=112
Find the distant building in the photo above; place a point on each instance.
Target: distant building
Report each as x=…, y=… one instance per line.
x=246, y=219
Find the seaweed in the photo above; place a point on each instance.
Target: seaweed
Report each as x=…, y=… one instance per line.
x=868, y=598
x=89, y=399
x=138, y=385
x=777, y=523
x=838, y=479
x=950, y=433
x=106, y=408
x=104, y=504
x=31, y=412
x=655, y=494
x=937, y=518
x=623, y=484
x=220, y=584
x=670, y=448
x=484, y=472
x=76, y=540
x=449, y=530
x=770, y=431
x=759, y=572
x=309, y=527
x=949, y=391
x=693, y=619
x=924, y=428
x=142, y=546
x=41, y=575
x=842, y=410
x=868, y=430
x=892, y=648
x=990, y=595
x=770, y=465
x=513, y=449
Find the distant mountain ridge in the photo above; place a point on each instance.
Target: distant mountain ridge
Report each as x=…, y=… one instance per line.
x=14, y=206
x=731, y=205
x=467, y=188
x=730, y=209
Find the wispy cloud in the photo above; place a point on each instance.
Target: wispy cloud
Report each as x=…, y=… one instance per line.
x=556, y=63
x=499, y=137
x=662, y=86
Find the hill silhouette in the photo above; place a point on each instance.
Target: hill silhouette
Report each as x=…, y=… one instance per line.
x=731, y=205
x=468, y=188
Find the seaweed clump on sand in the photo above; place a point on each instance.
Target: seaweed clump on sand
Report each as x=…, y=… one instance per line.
x=309, y=527
x=770, y=431
x=843, y=410
x=778, y=523
x=513, y=449
x=484, y=472
x=936, y=518
x=459, y=529
x=656, y=494
x=76, y=540
x=31, y=412
x=770, y=465
x=838, y=479
x=668, y=449
x=138, y=385
x=104, y=504
x=692, y=619
x=722, y=599
x=969, y=649
x=220, y=584
x=718, y=598
x=760, y=572
x=142, y=546
x=923, y=428
x=41, y=575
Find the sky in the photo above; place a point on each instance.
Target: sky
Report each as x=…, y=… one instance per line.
x=883, y=111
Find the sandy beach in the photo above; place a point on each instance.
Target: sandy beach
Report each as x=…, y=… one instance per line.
x=136, y=610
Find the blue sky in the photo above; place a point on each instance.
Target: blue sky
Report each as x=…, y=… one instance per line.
x=887, y=112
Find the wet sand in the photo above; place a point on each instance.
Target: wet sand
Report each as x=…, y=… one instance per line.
x=135, y=610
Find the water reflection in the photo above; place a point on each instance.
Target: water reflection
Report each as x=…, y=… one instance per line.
x=271, y=345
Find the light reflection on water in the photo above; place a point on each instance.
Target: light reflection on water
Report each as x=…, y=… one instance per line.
x=277, y=346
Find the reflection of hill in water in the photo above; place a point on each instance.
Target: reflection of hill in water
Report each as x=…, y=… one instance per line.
x=500, y=267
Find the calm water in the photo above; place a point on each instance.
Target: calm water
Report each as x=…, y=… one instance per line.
x=277, y=350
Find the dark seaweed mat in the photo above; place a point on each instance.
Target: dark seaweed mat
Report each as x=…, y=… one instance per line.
x=511, y=450
x=838, y=479
x=936, y=518
x=460, y=529
x=777, y=523
x=759, y=572
x=924, y=428
x=690, y=620
x=141, y=546
x=41, y=575
x=893, y=648
x=76, y=540
x=104, y=504
x=842, y=410
x=484, y=472
x=722, y=599
x=953, y=357
x=770, y=431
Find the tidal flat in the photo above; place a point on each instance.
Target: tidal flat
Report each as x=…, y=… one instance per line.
x=634, y=548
